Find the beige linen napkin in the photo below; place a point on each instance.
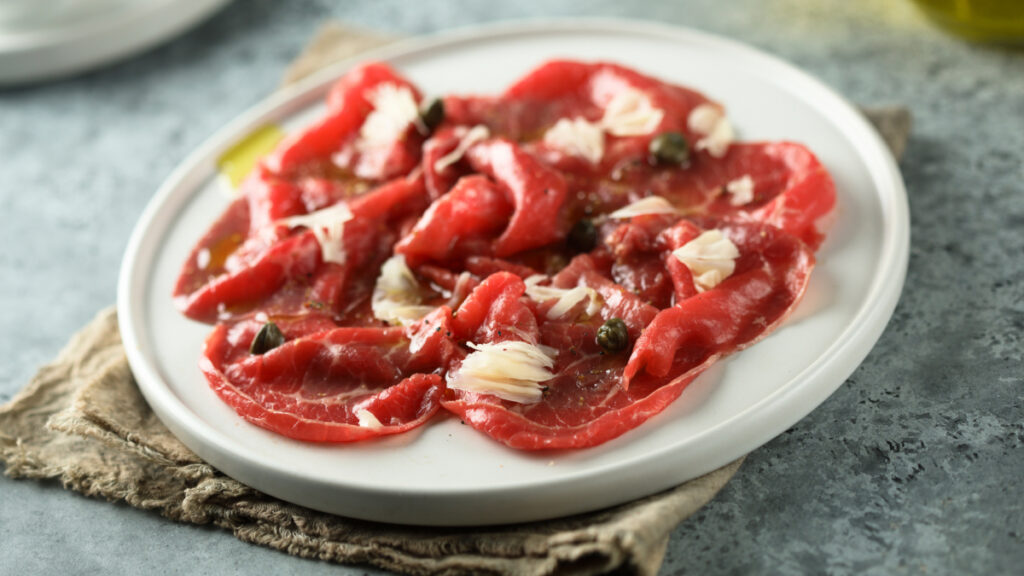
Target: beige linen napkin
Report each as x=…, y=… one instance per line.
x=81, y=419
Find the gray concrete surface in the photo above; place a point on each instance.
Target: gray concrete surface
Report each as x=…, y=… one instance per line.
x=914, y=466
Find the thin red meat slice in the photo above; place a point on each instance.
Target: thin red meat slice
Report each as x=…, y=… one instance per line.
x=314, y=387
x=792, y=190
x=439, y=145
x=618, y=302
x=270, y=199
x=453, y=287
x=495, y=312
x=805, y=207
x=570, y=89
x=367, y=240
x=669, y=240
x=334, y=136
x=639, y=261
x=240, y=291
x=484, y=266
x=509, y=118
x=585, y=90
x=458, y=224
x=575, y=413
x=282, y=271
x=536, y=191
x=432, y=341
x=553, y=80
x=770, y=277
x=642, y=264
x=597, y=396
x=209, y=257
x=443, y=279
x=391, y=201
x=583, y=405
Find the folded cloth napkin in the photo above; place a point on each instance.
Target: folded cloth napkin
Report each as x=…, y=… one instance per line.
x=81, y=419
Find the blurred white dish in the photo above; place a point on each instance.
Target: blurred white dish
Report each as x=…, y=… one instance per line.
x=43, y=40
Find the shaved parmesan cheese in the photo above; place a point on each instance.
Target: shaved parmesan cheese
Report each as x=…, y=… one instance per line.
x=367, y=419
x=475, y=134
x=328, y=225
x=711, y=257
x=703, y=118
x=567, y=297
x=394, y=108
x=577, y=137
x=649, y=205
x=709, y=121
x=396, y=296
x=203, y=258
x=509, y=370
x=630, y=114
x=741, y=191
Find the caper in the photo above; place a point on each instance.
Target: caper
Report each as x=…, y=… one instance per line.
x=613, y=335
x=583, y=235
x=669, y=148
x=432, y=114
x=268, y=338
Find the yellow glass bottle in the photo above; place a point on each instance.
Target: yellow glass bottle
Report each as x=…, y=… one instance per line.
x=1000, y=21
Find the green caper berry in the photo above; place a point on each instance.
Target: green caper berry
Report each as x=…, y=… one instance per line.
x=669, y=148
x=432, y=114
x=268, y=338
x=583, y=235
x=613, y=335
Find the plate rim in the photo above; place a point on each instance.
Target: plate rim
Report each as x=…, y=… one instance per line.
x=837, y=362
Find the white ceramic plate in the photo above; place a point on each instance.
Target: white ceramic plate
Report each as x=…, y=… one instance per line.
x=42, y=40
x=447, y=474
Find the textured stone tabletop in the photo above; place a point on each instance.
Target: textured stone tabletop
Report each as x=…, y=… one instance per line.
x=915, y=465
